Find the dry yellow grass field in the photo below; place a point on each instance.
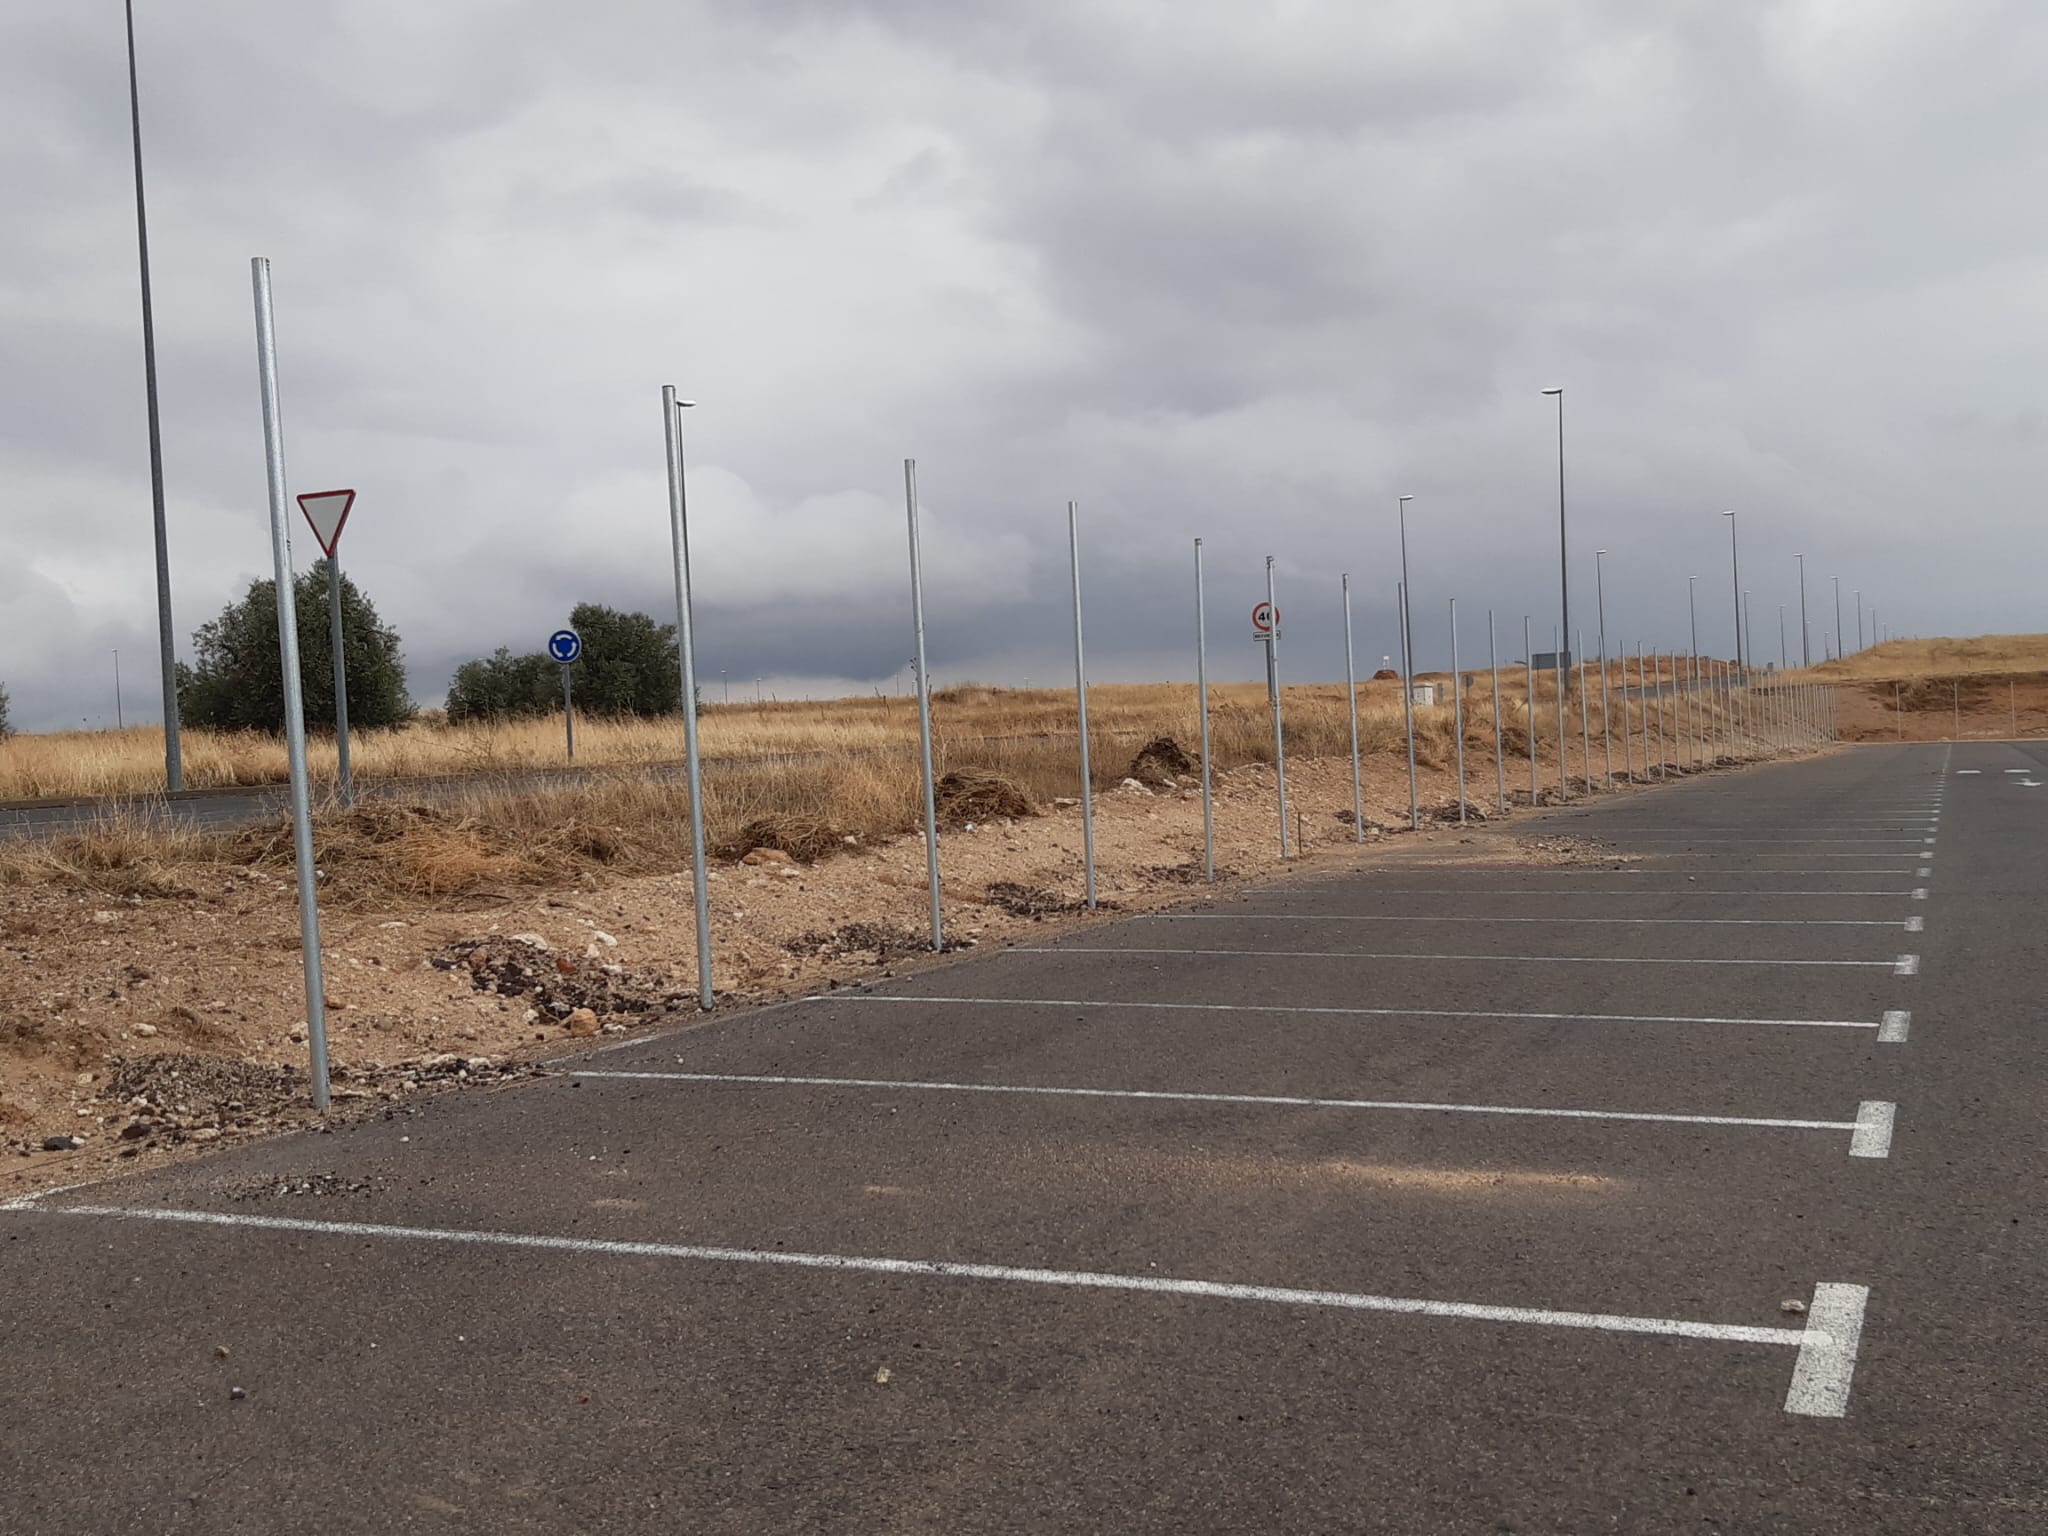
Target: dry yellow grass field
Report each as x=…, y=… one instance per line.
x=1906, y=660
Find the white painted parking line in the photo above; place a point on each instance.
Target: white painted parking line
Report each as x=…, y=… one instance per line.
x=1897, y=1022
x=1827, y=1342
x=1352, y=954
x=1923, y=871
x=1911, y=923
x=1920, y=893
x=1908, y=965
x=1453, y=890
x=1966, y=772
x=1916, y=925
x=1861, y=1125
x=1820, y=1381
x=1361, y=1013
x=1874, y=1121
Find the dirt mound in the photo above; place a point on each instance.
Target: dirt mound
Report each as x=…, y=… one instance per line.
x=1035, y=901
x=972, y=794
x=1386, y=675
x=203, y=1086
x=806, y=839
x=1161, y=760
x=1928, y=693
x=555, y=982
x=883, y=940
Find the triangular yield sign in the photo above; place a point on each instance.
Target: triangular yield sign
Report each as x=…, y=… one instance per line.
x=327, y=511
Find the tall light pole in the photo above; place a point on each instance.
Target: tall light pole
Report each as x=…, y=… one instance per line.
x=1748, y=632
x=1838, y=617
x=672, y=409
x=1805, y=637
x=1408, y=668
x=1735, y=563
x=167, y=654
x=1859, y=618
x=1783, y=661
x=1564, y=580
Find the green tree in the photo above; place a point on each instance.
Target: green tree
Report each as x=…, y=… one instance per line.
x=502, y=686
x=630, y=665
x=235, y=683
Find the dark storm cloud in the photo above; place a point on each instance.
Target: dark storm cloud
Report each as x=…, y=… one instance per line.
x=1243, y=274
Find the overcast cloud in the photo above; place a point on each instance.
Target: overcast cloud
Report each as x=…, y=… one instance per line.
x=1244, y=272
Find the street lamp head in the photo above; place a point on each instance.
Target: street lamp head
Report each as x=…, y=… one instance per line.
x=1599, y=552
x=1727, y=514
x=684, y=405
x=1404, y=498
x=1558, y=391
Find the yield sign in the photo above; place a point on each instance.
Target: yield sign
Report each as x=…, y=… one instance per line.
x=327, y=511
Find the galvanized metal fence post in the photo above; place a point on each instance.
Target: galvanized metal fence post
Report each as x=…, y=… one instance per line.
x=294, y=698
x=568, y=715
x=1279, y=728
x=1408, y=705
x=1564, y=786
x=1628, y=746
x=686, y=656
x=1500, y=771
x=1202, y=691
x=1081, y=705
x=924, y=705
x=1458, y=709
x=1351, y=697
x=1585, y=728
x=1529, y=660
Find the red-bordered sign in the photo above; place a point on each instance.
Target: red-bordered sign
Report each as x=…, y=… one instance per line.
x=327, y=511
x=1264, y=615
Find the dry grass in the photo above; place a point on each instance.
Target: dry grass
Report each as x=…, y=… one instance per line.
x=806, y=778
x=1904, y=660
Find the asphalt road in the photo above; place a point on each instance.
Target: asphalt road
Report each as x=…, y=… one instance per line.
x=1299, y=1255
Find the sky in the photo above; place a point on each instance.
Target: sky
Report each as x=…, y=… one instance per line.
x=1243, y=273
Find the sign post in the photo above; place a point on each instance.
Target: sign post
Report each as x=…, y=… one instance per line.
x=1266, y=629
x=566, y=646
x=294, y=700
x=327, y=511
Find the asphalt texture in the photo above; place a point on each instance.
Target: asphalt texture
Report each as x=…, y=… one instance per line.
x=638, y=1303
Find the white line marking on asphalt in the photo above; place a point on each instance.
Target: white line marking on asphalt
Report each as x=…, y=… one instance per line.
x=1919, y=893
x=1352, y=954
x=2019, y=770
x=1820, y=1377
x=1377, y=1013
x=1897, y=1021
x=1923, y=871
x=1639, y=922
x=1451, y=890
x=1908, y=965
x=1859, y=1124
x=1968, y=771
x=1916, y=925
x=1776, y=842
x=1873, y=1138
x=1827, y=1357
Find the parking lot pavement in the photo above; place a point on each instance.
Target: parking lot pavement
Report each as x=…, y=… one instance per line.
x=1471, y=1197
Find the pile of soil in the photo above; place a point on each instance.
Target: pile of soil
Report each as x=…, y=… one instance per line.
x=1161, y=761
x=1386, y=675
x=1035, y=901
x=806, y=839
x=883, y=940
x=553, y=981
x=973, y=795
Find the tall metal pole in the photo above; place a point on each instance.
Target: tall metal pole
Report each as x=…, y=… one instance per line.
x=1585, y=727
x=1859, y=618
x=1805, y=634
x=686, y=652
x=1628, y=749
x=1279, y=730
x=1692, y=613
x=1784, y=659
x=167, y=653
x=334, y=642
x=1081, y=705
x=1408, y=666
x=1529, y=661
x=569, y=714
x=1748, y=631
x=1564, y=581
x=1500, y=771
x=120, y=722
x=1735, y=564
x=1564, y=788
x=1351, y=695
x=1600, y=599
x=294, y=700
x=1838, y=614
x=1458, y=709
x=1202, y=689
x=924, y=704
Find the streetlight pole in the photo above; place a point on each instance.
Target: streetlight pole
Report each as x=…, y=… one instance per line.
x=1783, y=661
x=1408, y=667
x=1735, y=564
x=1859, y=618
x=672, y=410
x=1838, y=617
x=1692, y=613
x=1564, y=582
x=167, y=654
x=1805, y=635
